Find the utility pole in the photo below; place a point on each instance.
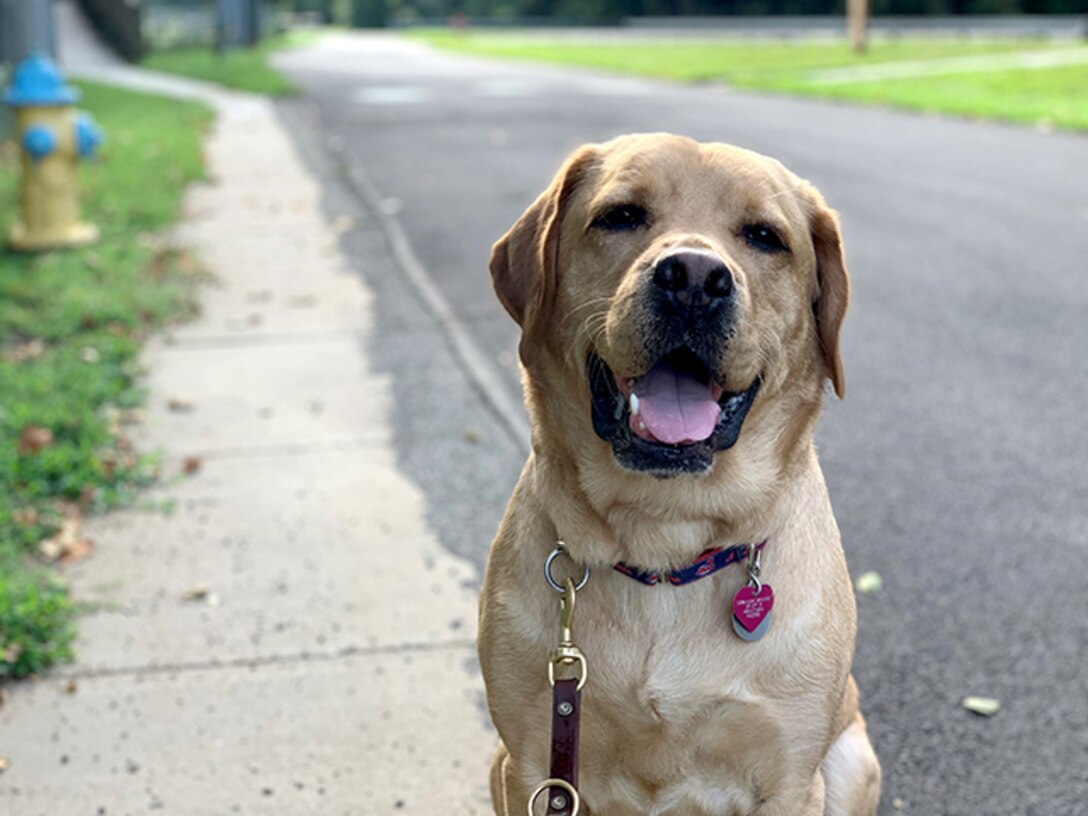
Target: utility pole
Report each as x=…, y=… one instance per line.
x=26, y=27
x=857, y=24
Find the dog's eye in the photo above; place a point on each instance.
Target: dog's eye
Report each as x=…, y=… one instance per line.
x=764, y=238
x=621, y=217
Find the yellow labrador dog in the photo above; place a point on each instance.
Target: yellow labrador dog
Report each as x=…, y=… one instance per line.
x=680, y=306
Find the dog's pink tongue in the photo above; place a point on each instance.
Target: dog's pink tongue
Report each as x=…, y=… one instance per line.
x=674, y=407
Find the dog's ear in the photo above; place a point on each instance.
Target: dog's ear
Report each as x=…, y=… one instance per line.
x=833, y=287
x=525, y=262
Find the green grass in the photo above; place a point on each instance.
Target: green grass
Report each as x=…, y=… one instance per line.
x=1054, y=96
x=244, y=69
x=71, y=326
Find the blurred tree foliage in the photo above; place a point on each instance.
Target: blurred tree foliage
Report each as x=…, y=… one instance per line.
x=604, y=11
x=370, y=13
x=614, y=9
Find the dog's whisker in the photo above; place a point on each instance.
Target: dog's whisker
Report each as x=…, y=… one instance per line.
x=582, y=307
x=594, y=324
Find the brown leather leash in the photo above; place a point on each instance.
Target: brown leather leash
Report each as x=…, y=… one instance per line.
x=566, y=715
x=562, y=781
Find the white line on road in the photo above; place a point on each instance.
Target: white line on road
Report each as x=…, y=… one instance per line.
x=483, y=373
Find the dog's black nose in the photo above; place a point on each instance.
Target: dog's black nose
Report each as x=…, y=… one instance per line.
x=693, y=278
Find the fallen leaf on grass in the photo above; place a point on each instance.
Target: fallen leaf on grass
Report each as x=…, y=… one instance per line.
x=33, y=439
x=68, y=545
x=133, y=416
x=27, y=516
x=191, y=465
x=983, y=706
x=24, y=352
x=88, y=492
x=186, y=262
x=168, y=258
x=869, y=583
x=80, y=549
x=12, y=652
x=89, y=355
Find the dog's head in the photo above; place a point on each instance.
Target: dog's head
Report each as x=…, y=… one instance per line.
x=669, y=292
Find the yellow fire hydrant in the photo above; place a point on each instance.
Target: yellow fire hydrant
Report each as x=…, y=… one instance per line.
x=53, y=137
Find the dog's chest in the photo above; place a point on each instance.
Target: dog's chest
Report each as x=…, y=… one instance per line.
x=673, y=706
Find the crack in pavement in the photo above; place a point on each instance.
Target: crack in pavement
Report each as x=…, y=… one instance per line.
x=298, y=338
x=269, y=660
x=301, y=449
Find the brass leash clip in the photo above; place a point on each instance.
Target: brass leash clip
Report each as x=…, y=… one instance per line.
x=567, y=653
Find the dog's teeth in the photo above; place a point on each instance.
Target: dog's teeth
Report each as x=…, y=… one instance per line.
x=641, y=425
x=634, y=404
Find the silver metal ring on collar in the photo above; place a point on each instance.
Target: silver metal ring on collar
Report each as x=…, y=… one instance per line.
x=560, y=549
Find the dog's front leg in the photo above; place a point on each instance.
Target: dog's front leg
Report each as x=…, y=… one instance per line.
x=852, y=773
x=500, y=772
x=509, y=796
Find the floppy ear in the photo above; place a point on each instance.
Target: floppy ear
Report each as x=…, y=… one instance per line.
x=525, y=262
x=833, y=293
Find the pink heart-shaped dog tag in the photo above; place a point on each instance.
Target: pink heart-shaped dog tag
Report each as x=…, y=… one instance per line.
x=752, y=611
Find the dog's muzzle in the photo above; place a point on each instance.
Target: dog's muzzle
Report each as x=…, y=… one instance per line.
x=672, y=418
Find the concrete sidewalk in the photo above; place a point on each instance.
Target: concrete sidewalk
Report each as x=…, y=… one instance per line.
x=291, y=638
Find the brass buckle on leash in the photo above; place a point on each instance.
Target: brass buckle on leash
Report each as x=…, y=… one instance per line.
x=563, y=779
x=575, y=799
x=567, y=653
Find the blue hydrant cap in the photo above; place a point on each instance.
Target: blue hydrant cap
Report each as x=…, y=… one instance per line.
x=39, y=141
x=88, y=135
x=38, y=82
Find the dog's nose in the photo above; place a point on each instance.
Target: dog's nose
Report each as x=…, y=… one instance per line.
x=693, y=278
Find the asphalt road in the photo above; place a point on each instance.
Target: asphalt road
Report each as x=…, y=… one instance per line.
x=957, y=462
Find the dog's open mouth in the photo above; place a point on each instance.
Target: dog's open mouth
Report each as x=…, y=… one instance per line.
x=669, y=420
